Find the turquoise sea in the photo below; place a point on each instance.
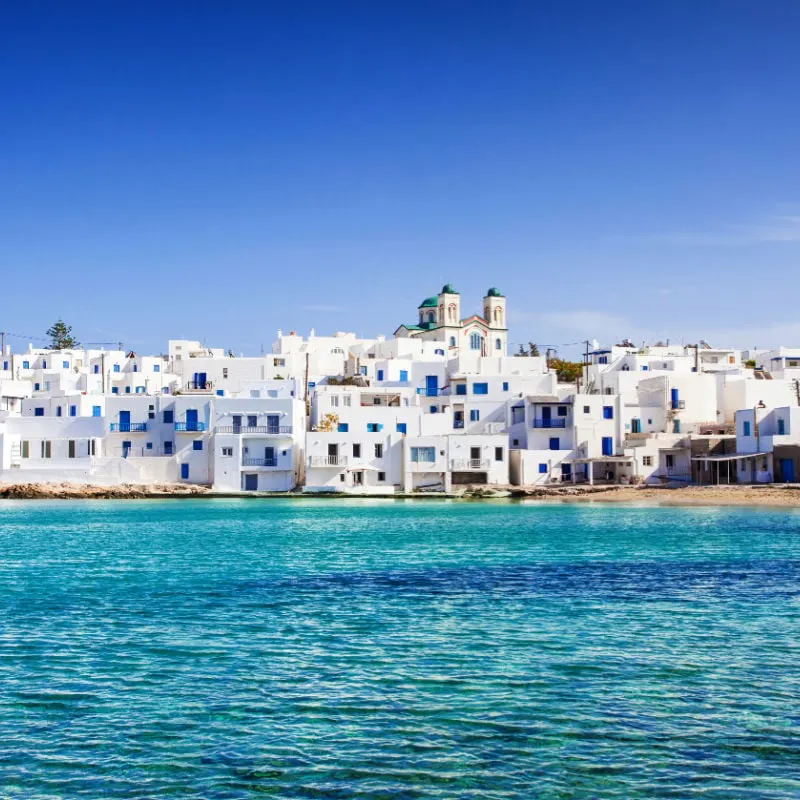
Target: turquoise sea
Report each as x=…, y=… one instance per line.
x=380, y=649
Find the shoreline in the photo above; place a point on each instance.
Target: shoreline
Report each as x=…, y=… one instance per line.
x=767, y=495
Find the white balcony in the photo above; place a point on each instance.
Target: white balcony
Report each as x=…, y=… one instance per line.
x=469, y=464
x=327, y=461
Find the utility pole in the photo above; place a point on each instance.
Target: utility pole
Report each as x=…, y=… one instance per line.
x=2, y=342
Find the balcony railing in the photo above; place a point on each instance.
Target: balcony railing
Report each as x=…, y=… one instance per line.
x=128, y=427
x=272, y=430
x=199, y=386
x=259, y=462
x=327, y=461
x=190, y=427
x=458, y=423
x=428, y=392
x=462, y=464
x=542, y=422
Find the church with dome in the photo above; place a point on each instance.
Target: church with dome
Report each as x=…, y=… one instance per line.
x=440, y=321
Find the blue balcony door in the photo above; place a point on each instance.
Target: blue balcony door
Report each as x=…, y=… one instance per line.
x=273, y=421
x=184, y=472
x=126, y=449
x=199, y=379
x=237, y=423
x=191, y=419
x=547, y=413
x=608, y=446
x=431, y=385
x=269, y=455
x=787, y=470
x=124, y=421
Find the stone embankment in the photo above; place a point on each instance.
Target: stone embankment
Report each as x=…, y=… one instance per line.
x=73, y=491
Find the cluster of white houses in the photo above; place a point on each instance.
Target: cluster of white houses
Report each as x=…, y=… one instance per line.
x=438, y=406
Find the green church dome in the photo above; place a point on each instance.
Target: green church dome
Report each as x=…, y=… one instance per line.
x=428, y=302
x=493, y=292
x=448, y=289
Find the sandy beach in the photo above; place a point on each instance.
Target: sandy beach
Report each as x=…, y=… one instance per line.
x=776, y=495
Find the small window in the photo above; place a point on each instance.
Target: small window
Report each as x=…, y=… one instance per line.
x=480, y=388
x=608, y=412
x=151, y=412
x=542, y=469
x=44, y=364
x=474, y=341
x=433, y=409
x=746, y=428
x=116, y=368
x=647, y=461
x=374, y=427
x=781, y=427
x=156, y=368
x=587, y=410
x=498, y=344
x=562, y=411
x=452, y=341
x=461, y=388
x=58, y=411
x=555, y=443
x=47, y=449
x=224, y=372
x=474, y=415
x=25, y=449
x=342, y=477
x=505, y=386
x=423, y=454
x=36, y=387
x=97, y=411
x=38, y=412
x=670, y=461
x=127, y=390
x=149, y=446
x=135, y=367
x=363, y=370
x=343, y=427
x=498, y=454
x=65, y=365
x=227, y=452
x=96, y=369
x=197, y=444
x=71, y=448
x=168, y=448
x=515, y=442
x=379, y=375
x=401, y=427
x=169, y=416
x=378, y=450
x=381, y=477
x=334, y=401
x=73, y=410
x=115, y=390
x=356, y=450
x=645, y=368
x=26, y=365
x=403, y=376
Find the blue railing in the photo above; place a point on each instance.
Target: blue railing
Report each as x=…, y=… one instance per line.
x=128, y=427
x=458, y=423
x=428, y=392
x=549, y=423
x=259, y=462
x=190, y=427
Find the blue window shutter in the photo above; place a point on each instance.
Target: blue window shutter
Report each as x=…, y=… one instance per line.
x=608, y=412
x=505, y=386
x=58, y=411
x=480, y=388
x=380, y=375
x=461, y=388
x=96, y=411
x=115, y=390
x=116, y=367
x=197, y=444
x=38, y=412
x=73, y=410
x=542, y=469
x=156, y=368
x=184, y=472
x=26, y=365
x=401, y=427
x=65, y=364
x=404, y=376
x=555, y=443
x=343, y=427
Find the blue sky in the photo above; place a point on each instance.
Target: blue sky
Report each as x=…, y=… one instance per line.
x=221, y=170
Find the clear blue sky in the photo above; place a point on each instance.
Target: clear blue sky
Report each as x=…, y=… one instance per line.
x=218, y=170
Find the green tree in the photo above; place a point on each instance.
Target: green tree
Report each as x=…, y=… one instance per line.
x=533, y=350
x=61, y=337
x=567, y=371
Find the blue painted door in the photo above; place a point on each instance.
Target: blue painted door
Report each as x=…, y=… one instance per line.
x=269, y=456
x=273, y=421
x=251, y=483
x=124, y=421
x=787, y=470
x=431, y=385
x=608, y=446
x=237, y=423
x=547, y=413
x=126, y=449
x=674, y=398
x=184, y=472
x=191, y=419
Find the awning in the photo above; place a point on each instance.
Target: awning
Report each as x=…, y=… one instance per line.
x=729, y=457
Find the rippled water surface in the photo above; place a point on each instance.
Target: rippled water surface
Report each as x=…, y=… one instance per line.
x=338, y=649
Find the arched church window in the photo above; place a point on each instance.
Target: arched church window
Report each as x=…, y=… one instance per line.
x=451, y=312
x=498, y=316
x=474, y=341
x=498, y=344
x=452, y=341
